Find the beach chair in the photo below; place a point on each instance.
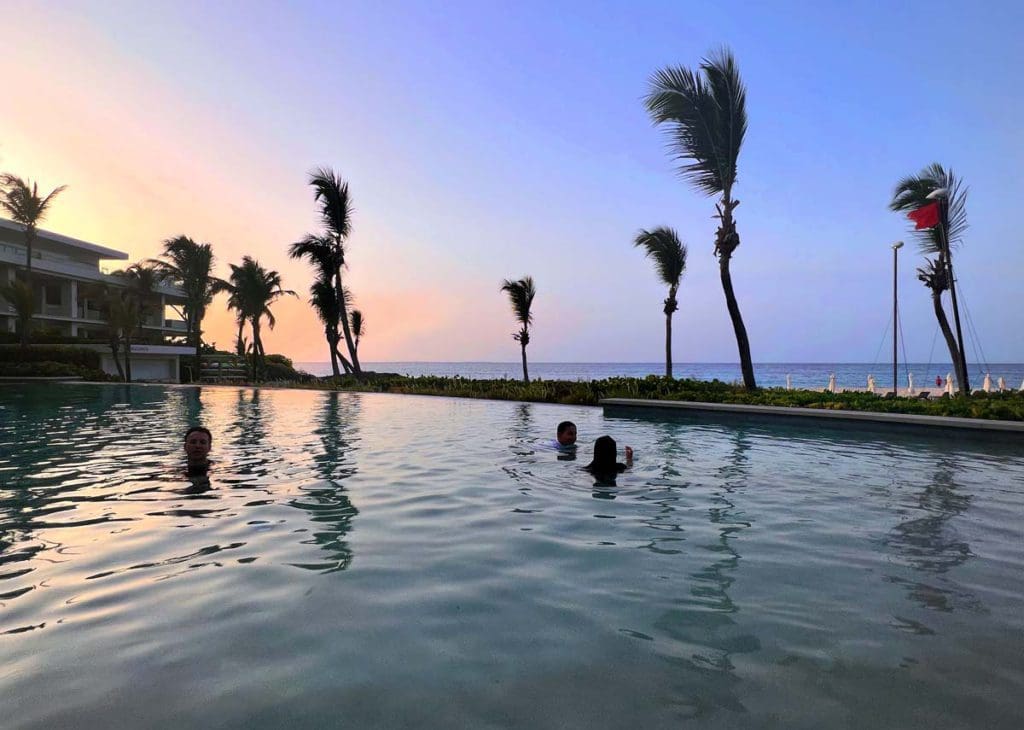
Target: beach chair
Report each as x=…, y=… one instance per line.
x=923, y=395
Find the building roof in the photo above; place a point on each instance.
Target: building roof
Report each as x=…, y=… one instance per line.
x=102, y=251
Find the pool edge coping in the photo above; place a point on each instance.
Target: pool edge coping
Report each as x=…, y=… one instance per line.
x=788, y=412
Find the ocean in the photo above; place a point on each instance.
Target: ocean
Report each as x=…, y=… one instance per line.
x=803, y=375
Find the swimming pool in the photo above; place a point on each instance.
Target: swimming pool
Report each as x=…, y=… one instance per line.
x=402, y=561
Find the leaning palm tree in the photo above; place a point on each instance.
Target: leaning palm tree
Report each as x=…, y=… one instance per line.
x=189, y=266
x=331, y=192
x=327, y=258
x=912, y=193
x=20, y=200
x=662, y=245
x=706, y=111
x=253, y=290
x=521, y=294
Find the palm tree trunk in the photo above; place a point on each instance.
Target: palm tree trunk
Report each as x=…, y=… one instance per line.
x=343, y=310
x=342, y=359
x=526, y=373
x=746, y=365
x=668, y=344
x=332, y=346
x=199, y=346
x=114, y=350
x=947, y=333
x=257, y=349
x=30, y=236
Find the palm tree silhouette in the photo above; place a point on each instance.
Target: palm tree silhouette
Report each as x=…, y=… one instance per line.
x=328, y=258
x=521, y=294
x=20, y=200
x=662, y=245
x=127, y=308
x=331, y=192
x=706, y=111
x=912, y=193
x=253, y=289
x=189, y=265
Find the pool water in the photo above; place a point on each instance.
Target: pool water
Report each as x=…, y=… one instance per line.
x=412, y=562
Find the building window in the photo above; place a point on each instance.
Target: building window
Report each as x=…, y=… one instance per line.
x=53, y=297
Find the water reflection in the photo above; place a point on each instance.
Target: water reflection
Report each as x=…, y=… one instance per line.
x=704, y=620
x=931, y=546
x=327, y=501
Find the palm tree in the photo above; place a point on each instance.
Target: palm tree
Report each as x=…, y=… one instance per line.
x=706, y=111
x=189, y=266
x=521, y=294
x=140, y=283
x=20, y=200
x=253, y=289
x=120, y=318
x=358, y=326
x=662, y=245
x=328, y=259
x=912, y=193
x=336, y=215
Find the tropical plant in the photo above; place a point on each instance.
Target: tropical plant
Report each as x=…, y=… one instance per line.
x=19, y=294
x=706, y=114
x=912, y=193
x=521, y=294
x=328, y=258
x=253, y=290
x=358, y=326
x=331, y=192
x=127, y=307
x=21, y=201
x=189, y=266
x=662, y=245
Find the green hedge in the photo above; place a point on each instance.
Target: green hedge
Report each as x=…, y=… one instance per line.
x=80, y=356
x=49, y=369
x=1007, y=406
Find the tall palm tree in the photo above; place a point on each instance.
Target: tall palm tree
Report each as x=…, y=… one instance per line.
x=706, y=114
x=126, y=308
x=20, y=200
x=253, y=290
x=20, y=296
x=189, y=266
x=331, y=192
x=521, y=294
x=328, y=258
x=912, y=193
x=662, y=246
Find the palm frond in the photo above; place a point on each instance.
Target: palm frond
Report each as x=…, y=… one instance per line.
x=521, y=294
x=663, y=247
x=335, y=203
x=20, y=199
x=358, y=325
x=912, y=192
x=706, y=117
x=934, y=276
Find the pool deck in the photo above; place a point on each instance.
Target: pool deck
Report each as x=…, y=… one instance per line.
x=832, y=417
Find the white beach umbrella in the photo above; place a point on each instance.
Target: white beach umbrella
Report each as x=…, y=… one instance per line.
x=1022, y=386
x=986, y=385
x=1002, y=384
x=871, y=383
x=910, y=384
x=789, y=382
x=832, y=383
x=949, y=383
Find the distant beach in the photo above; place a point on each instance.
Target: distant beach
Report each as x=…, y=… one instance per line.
x=811, y=376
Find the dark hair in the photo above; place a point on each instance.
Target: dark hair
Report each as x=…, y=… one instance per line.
x=604, y=457
x=563, y=426
x=200, y=429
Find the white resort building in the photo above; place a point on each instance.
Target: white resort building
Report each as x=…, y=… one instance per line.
x=67, y=281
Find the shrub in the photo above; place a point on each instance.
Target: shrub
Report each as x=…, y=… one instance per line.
x=79, y=356
x=50, y=369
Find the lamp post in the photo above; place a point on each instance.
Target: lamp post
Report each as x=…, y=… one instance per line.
x=895, y=315
x=942, y=196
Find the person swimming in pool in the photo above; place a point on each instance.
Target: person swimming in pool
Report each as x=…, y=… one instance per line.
x=198, y=441
x=604, y=466
x=565, y=436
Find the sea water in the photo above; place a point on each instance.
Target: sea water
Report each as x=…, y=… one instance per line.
x=386, y=561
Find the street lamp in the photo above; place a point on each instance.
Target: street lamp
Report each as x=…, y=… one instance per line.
x=895, y=316
x=942, y=196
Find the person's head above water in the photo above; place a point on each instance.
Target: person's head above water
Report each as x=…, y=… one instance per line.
x=197, y=444
x=566, y=433
x=604, y=457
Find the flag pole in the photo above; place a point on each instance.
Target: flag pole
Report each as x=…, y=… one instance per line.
x=895, y=318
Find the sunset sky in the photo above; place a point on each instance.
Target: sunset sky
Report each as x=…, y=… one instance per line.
x=485, y=141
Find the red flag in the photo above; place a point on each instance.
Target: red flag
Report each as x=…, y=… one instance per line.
x=925, y=217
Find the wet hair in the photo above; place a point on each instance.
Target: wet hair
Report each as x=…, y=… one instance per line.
x=563, y=426
x=200, y=429
x=604, y=457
